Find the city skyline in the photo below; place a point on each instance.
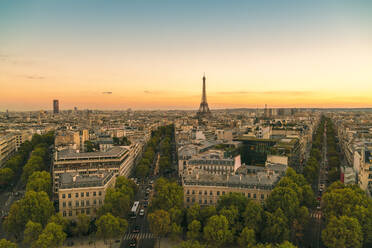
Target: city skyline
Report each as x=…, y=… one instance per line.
x=148, y=55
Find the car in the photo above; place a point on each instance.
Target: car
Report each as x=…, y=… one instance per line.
x=145, y=204
x=318, y=207
x=142, y=212
x=133, y=242
x=136, y=229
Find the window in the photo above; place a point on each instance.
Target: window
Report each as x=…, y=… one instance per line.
x=188, y=199
x=64, y=213
x=262, y=196
x=76, y=194
x=188, y=192
x=87, y=194
x=210, y=192
x=94, y=193
x=94, y=202
x=77, y=203
x=249, y=195
x=200, y=201
x=193, y=192
x=69, y=203
x=82, y=211
x=82, y=203
x=82, y=194
x=63, y=196
x=205, y=201
x=205, y=192
x=254, y=196
x=100, y=201
x=88, y=211
x=200, y=192
x=193, y=200
x=70, y=213
x=64, y=204
x=223, y=192
x=210, y=201
x=218, y=192
x=87, y=202
x=100, y=193
x=69, y=195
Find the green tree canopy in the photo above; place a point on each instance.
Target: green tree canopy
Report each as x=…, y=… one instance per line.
x=247, y=238
x=40, y=181
x=194, y=229
x=35, y=206
x=343, y=232
x=7, y=244
x=216, y=232
x=109, y=227
x=52, y=236
x=32, y=232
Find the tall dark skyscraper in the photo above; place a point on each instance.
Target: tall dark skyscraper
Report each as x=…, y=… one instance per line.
x=55, y=106
x=204, y=109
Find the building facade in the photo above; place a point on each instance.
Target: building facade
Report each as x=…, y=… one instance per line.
x=82, y=194
x=118, y=160
x=8, y=146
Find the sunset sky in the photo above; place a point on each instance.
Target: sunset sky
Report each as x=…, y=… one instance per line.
x=152, y=54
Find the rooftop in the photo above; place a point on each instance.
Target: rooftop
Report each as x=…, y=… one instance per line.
x=73, y=180
x=113, y=152
x=260, y=180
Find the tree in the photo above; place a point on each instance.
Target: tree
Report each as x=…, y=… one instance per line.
x=194, y=229
x=286, y=244
x=159, y=222
x=6, y=176
x=82, y=224
x=232, y=199
x=217, y=232
x=40, y=181
x=247, y=238
x=343, y=232
x=142, y=170
x=232, y=216
x=175, y=231
x=109, y=227
x=35, y=206
x=117, y=203
x=190, y=244
x=275, y=227
x=52, y=236
x=7, y=244
x=167, y=195
x=35, y=163
x=284, y=198
x=32, y=232
x=193, y=213
x=253, y=215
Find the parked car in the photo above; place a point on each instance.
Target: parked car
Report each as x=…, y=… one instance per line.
x=142, y=212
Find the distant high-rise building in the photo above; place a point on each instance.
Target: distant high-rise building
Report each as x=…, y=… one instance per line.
x=204, y=109
x=55, y=106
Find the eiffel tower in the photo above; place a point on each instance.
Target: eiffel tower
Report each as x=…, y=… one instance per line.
x=204, y=109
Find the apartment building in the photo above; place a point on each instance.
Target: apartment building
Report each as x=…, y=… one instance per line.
x=204, y=188
x=83, y=194
x=8, y=146
x=118, y=159
x=212, y=161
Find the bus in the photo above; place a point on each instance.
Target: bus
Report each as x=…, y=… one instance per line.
x=134, y=210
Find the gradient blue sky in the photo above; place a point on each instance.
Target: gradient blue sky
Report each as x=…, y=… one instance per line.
x=152, y=54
